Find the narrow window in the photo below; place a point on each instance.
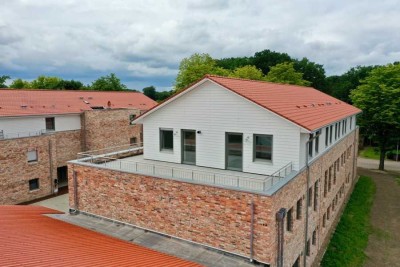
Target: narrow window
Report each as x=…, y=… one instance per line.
x=351, y=122
x=166, y=139
x=33, y=184
x=330, y=179
x=308, y=252
x=314, y=237
x=316, y=189
x=337, y=165
x=335, y=131
x=299, y=207
x=32, y=156
x=310, y=146
x=317, y=141
x=324, y=220
x=133, y=140
x=326, y=136
x=310, y=196
x=289, y=217
x=326, y=183
x=328, y=213
x=334, y=173
x=344, y=127
x=333, y=205
x=330, y=134
x=50, y=125
x=262, y=147
x=339, y=129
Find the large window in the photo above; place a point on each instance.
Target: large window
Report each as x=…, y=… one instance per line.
x=32, y=156
x=50, y=125
x=262, y=147
x=166, y=139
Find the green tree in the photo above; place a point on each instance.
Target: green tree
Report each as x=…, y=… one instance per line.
x=248, y=72
x=108, y=83
x=160, y=96
x=193, y=68
x=150, y=92
x=285, y=73
x=234, y=62
x=266, y=59
x=313, y=72
x=3, y=80
x=378, y=96
x=71, y=85
x=19, y=84
x=46, y=82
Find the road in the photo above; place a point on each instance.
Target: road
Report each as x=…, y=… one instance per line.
x=373, y=164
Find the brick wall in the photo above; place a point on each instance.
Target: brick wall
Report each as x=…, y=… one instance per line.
x=218, y=217
x=15, y=171
x=109, y=128
x=68, y=144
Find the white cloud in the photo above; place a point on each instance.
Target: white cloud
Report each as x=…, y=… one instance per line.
x=147, y=39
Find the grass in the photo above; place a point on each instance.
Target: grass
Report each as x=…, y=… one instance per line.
x=350, y=239
x=370, y=153
x=397, y=180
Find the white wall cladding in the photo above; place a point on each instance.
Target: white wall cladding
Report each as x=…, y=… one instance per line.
x=24, y=125
x=67, y=122
x=214, y=111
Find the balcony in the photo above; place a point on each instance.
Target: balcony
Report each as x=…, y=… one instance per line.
x=21, y=134
x=130, y=159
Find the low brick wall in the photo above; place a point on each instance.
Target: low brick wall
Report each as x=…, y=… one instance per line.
x=208, y=215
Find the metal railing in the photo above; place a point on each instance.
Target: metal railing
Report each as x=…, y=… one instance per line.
x=244, y=181
x=21, y=134
x=115, y=151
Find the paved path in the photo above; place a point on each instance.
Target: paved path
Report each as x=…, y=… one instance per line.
x=390, y=165
x=384, y=241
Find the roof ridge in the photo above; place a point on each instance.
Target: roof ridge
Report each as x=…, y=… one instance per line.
x=260, y=81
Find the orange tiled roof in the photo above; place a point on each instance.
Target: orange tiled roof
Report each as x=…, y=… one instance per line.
x=29, y=238
x=302, y=105
x=40, y=102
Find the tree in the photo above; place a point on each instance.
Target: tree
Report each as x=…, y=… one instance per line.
x=378, y=96
x=45, y=82
x=193, y=68
x=234, y=62
x=71, y=85
x=341, y=86
x=150, y=92
x=19, y=84
x=266, y=59
x=3, y=80
x=313, y=72
x=248, y=72
x=285, y=73
x=108, y=83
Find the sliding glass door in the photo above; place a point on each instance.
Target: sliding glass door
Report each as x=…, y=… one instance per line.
x=234, y=151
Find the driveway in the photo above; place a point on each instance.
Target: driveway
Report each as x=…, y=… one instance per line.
x=373, y=164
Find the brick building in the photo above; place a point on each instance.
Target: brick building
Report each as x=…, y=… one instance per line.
x=253, y=169
x=40, y=130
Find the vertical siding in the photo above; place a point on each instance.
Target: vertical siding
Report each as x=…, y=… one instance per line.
x=68, y=122
x=214, y=111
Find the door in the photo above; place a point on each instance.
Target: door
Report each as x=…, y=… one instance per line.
x=234, y=151
x=189, y=147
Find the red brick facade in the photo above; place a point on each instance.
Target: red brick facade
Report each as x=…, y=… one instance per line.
x=102, y=128
x=221, y=218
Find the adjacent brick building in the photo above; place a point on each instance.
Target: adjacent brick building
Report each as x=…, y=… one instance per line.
x=41, y=130
x=255, y=169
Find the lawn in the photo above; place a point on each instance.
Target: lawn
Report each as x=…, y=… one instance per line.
x=370, y=153
x=350, y=238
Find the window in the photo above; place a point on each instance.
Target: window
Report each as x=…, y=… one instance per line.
x=317, y=141
x=308, y=251
x=330, y=179
x=32, y=156
x=324, y=220
x=33, y=184
x=131, y=119
x=310, y=145
x=344, y=127
x=326, y=183
x=166, y=139
x=262, y=147
x=326, y=136
x=133, y=140
x=338, y=134
x=328, y=213
x=333, y=205
x=316, y=187
x=50, y=125
x=336, y=131
x=299, y=206
x=289, y=217
x=334, y=173
x=330, y=134
x=351, y=122
x=314, y=237
x=310, y=196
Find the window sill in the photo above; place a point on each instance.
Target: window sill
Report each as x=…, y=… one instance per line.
x=263, y=162
x=34, y=190
x=167, y=151
x=33, y=162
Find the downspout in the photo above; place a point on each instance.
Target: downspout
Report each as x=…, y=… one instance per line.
x=252, y=231
x=280, y=216
x=307, y=197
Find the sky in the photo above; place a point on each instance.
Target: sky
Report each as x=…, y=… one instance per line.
x=143, y=42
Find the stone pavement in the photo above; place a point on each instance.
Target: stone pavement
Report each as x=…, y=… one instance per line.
x=172, y=246
x=59, y=203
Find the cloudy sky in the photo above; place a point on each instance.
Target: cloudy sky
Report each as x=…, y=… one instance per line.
x=144, y=41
